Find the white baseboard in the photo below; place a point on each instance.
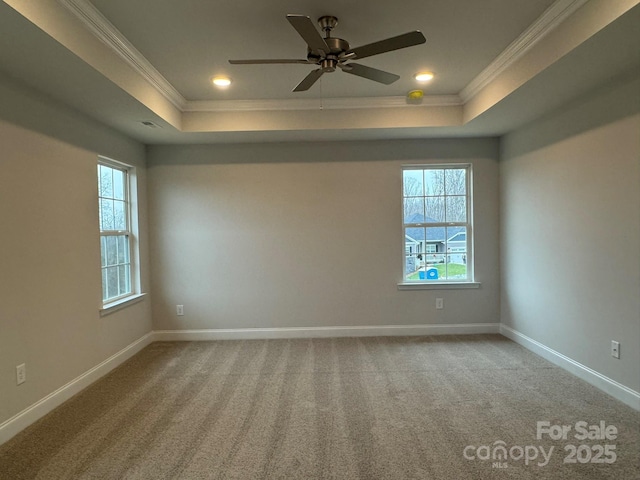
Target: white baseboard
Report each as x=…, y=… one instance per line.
x=22, y=420
x=607, y=385
x=324, y=332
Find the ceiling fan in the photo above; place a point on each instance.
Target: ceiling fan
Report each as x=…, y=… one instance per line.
x=330, y=53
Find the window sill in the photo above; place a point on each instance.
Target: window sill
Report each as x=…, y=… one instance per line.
x=109, y=308
x=437, y=286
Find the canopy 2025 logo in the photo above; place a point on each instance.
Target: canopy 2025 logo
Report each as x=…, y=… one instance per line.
x=499, y=453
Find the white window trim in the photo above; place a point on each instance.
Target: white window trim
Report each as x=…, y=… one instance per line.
x=437, y=286
x=117, y=303
x=469, y=282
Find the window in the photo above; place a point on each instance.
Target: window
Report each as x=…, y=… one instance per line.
x=116, y=238
x=437, y=221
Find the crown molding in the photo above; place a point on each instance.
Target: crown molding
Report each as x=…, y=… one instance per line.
x=550, y=19
x=319, y=103
x=105, y=31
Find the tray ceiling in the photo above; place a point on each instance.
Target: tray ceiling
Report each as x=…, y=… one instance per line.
x=126, y=62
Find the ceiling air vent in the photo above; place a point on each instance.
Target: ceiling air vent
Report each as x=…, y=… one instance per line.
x=150, y=124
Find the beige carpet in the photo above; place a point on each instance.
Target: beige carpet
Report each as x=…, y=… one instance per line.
x=366, y=408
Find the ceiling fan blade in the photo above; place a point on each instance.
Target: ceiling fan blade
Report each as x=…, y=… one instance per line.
x=394, y=43
x=374, y=74
x=307, y=30
x=309, y=80
x=267, y=61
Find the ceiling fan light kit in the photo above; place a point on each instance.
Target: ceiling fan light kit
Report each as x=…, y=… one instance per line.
x=330, y=53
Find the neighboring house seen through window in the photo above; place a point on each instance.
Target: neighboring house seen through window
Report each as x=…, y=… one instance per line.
x=116, y=239
x=437, y=223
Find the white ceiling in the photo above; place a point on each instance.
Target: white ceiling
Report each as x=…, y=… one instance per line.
x=498, y=64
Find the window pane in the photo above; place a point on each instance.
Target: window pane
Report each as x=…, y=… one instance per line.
x=128, y=278
x=453, y=271
x=118, y=184
x=411, y=267
x=457, y=240
x=106, y=214
x=456, y=209
x=435, y=241
x=103, y=251
x=112, y=282
x=434, y=182
x=119, y=215
x=414, y=210
x=105, y=181
x=456, y=181
x=104, y=284
x=434, y=209
x=112, y=250
x=123, y=279
x=412, y=182
x=123, y=249
x=414, y=237
x=456, y=253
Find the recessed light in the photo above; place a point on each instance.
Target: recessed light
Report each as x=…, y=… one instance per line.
x=423, y=76
x=221, y=81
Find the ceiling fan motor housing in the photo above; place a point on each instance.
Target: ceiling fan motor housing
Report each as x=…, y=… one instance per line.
x=328, y=62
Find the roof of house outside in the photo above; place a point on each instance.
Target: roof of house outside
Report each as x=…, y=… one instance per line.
x=433, y=234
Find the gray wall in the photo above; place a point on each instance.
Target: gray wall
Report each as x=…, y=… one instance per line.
x=304, y=235
x=570, y=230
x=50, y=291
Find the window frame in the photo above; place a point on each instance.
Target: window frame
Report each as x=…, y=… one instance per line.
x=130, y=232
x=469, y=281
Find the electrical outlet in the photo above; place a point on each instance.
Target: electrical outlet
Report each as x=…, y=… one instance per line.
x=179, y=310
x=21, y=374
x=439, y=303
x=615, y=349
